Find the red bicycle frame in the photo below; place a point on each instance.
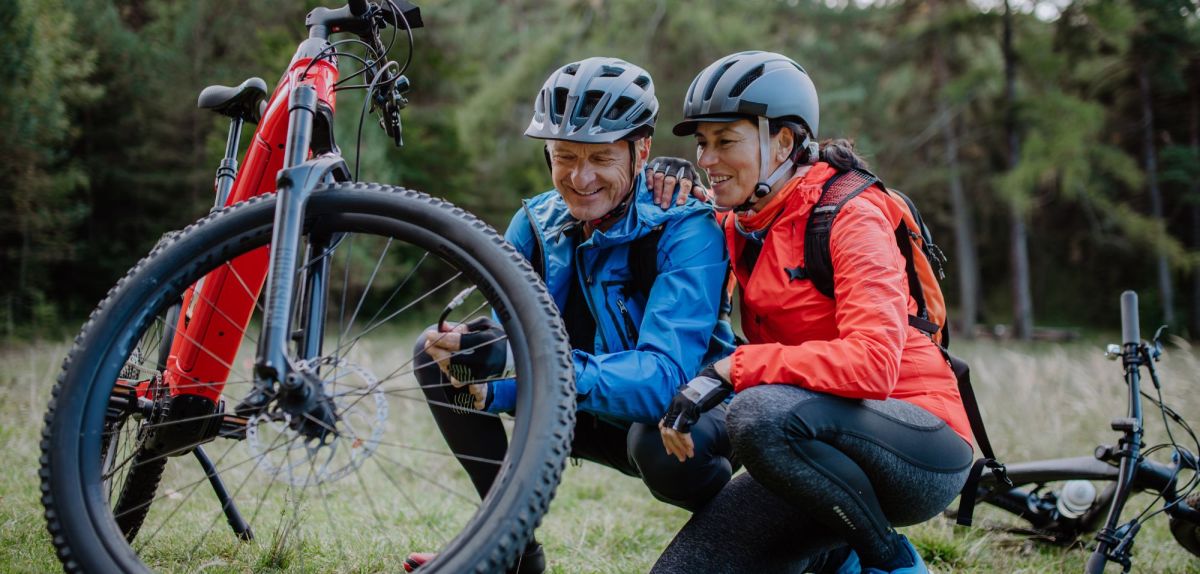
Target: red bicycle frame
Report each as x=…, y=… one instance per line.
x=217, y=309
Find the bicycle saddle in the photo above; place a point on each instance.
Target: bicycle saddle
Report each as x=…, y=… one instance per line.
x=240, y=101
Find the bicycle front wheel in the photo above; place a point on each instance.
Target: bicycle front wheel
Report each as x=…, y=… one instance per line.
x=382, y=482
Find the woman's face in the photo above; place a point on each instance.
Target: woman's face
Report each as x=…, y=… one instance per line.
x=728, y=152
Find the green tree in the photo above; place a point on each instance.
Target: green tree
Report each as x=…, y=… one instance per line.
x=48, y=68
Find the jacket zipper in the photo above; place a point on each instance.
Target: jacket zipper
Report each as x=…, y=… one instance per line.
x=630, y=328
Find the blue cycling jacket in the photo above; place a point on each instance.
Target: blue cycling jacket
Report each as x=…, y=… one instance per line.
x=645, y=349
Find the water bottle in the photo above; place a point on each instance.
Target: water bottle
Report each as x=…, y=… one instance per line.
x=1075, y=498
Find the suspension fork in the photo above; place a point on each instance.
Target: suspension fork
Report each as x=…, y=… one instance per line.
x=300, y=392
x=272, y=365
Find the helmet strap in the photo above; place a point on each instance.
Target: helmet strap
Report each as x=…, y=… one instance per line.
x=765, y=180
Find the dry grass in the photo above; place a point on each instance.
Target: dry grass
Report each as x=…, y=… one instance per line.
x=1039, y=401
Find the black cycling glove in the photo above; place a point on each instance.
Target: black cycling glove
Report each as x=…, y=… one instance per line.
x=483, y=352
x=699, y=395
x=676, y=167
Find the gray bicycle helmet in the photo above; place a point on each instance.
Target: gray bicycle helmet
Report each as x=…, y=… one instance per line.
x=597, y=100
x=748, y=84
x=757, y=86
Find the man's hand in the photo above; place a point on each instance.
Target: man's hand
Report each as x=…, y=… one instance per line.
x=707, y=390
x=469, y=353
x=672, y=177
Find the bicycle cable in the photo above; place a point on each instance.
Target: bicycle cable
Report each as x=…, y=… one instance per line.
x=1150, y=512
x=362, y=116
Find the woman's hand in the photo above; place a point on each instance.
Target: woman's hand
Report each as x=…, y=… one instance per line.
x=707, y=390
x=678, y=444
x=669, y=177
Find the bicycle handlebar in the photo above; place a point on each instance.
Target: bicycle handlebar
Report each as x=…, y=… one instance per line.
x=1130, y=334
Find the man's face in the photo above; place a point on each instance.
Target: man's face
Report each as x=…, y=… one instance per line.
x=593, y=178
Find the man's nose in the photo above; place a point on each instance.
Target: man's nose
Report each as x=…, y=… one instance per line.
x=582, y=177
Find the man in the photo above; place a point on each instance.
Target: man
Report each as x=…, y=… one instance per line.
x=635, y=339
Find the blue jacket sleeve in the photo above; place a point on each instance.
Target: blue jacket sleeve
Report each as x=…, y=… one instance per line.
x=674, y=334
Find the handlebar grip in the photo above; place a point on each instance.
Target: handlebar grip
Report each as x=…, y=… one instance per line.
x=358, y=7
x=1130, y=333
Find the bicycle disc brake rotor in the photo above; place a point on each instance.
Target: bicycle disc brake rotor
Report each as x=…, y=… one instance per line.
x=361, y=412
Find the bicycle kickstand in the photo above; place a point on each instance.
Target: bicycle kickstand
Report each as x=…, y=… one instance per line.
x=239, y=525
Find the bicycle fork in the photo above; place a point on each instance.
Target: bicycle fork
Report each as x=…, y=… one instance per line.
x=1113, y=541
x=298, y=391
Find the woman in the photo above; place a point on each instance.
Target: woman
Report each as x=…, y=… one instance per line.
x=847, y=419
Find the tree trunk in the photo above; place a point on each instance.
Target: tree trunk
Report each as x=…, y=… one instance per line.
x=1194, y=195
x=1150, y=157
x=965, y=259
x=964, y=223
x=1022, y=298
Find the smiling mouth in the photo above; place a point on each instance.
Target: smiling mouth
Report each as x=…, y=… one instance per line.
x=588, y=194
x=719, y=179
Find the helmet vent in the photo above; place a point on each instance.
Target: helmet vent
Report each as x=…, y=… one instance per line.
x=642, y=117
x=746, y=80
x=610, y=72
x=618, y=109
x=590, y=99
x=642, y=81
x=571, y=69
x=560, y=101
x=716, y=77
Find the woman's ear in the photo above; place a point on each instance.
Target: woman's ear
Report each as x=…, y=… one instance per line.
x=786, y=139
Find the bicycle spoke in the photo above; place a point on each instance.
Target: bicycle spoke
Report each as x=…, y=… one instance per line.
x=246, y=288
x=437, y=483
x=340, y=351
x=412, y=272
x=191, y=488
x=404, y=492
x=240, y=330
x=345, y=287
x=367, y=289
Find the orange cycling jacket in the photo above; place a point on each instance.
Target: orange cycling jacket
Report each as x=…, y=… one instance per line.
x=857, y=345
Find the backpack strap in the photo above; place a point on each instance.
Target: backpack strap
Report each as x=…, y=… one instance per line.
x=538, y=258
x=966, y=504
x=818, y=263
x=643, y=262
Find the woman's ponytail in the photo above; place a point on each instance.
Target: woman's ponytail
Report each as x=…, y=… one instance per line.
x=840, y=154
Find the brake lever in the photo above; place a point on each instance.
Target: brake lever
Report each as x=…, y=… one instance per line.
x=1156, y=345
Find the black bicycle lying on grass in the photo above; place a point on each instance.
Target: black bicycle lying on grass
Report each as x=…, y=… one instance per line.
x=1058, y=499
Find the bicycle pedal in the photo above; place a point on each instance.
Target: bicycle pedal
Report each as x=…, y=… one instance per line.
x=233, y=426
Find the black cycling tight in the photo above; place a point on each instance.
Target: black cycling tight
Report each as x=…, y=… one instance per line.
x=824, y=472
x=635, y=449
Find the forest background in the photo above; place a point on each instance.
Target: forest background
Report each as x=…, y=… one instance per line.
x=1053, y=147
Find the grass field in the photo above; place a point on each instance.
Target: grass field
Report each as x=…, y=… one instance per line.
x=1039, y=401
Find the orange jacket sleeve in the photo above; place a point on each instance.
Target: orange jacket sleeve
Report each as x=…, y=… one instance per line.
x=871, y=310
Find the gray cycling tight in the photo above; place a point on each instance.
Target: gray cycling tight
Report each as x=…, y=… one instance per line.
x=822, y=472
